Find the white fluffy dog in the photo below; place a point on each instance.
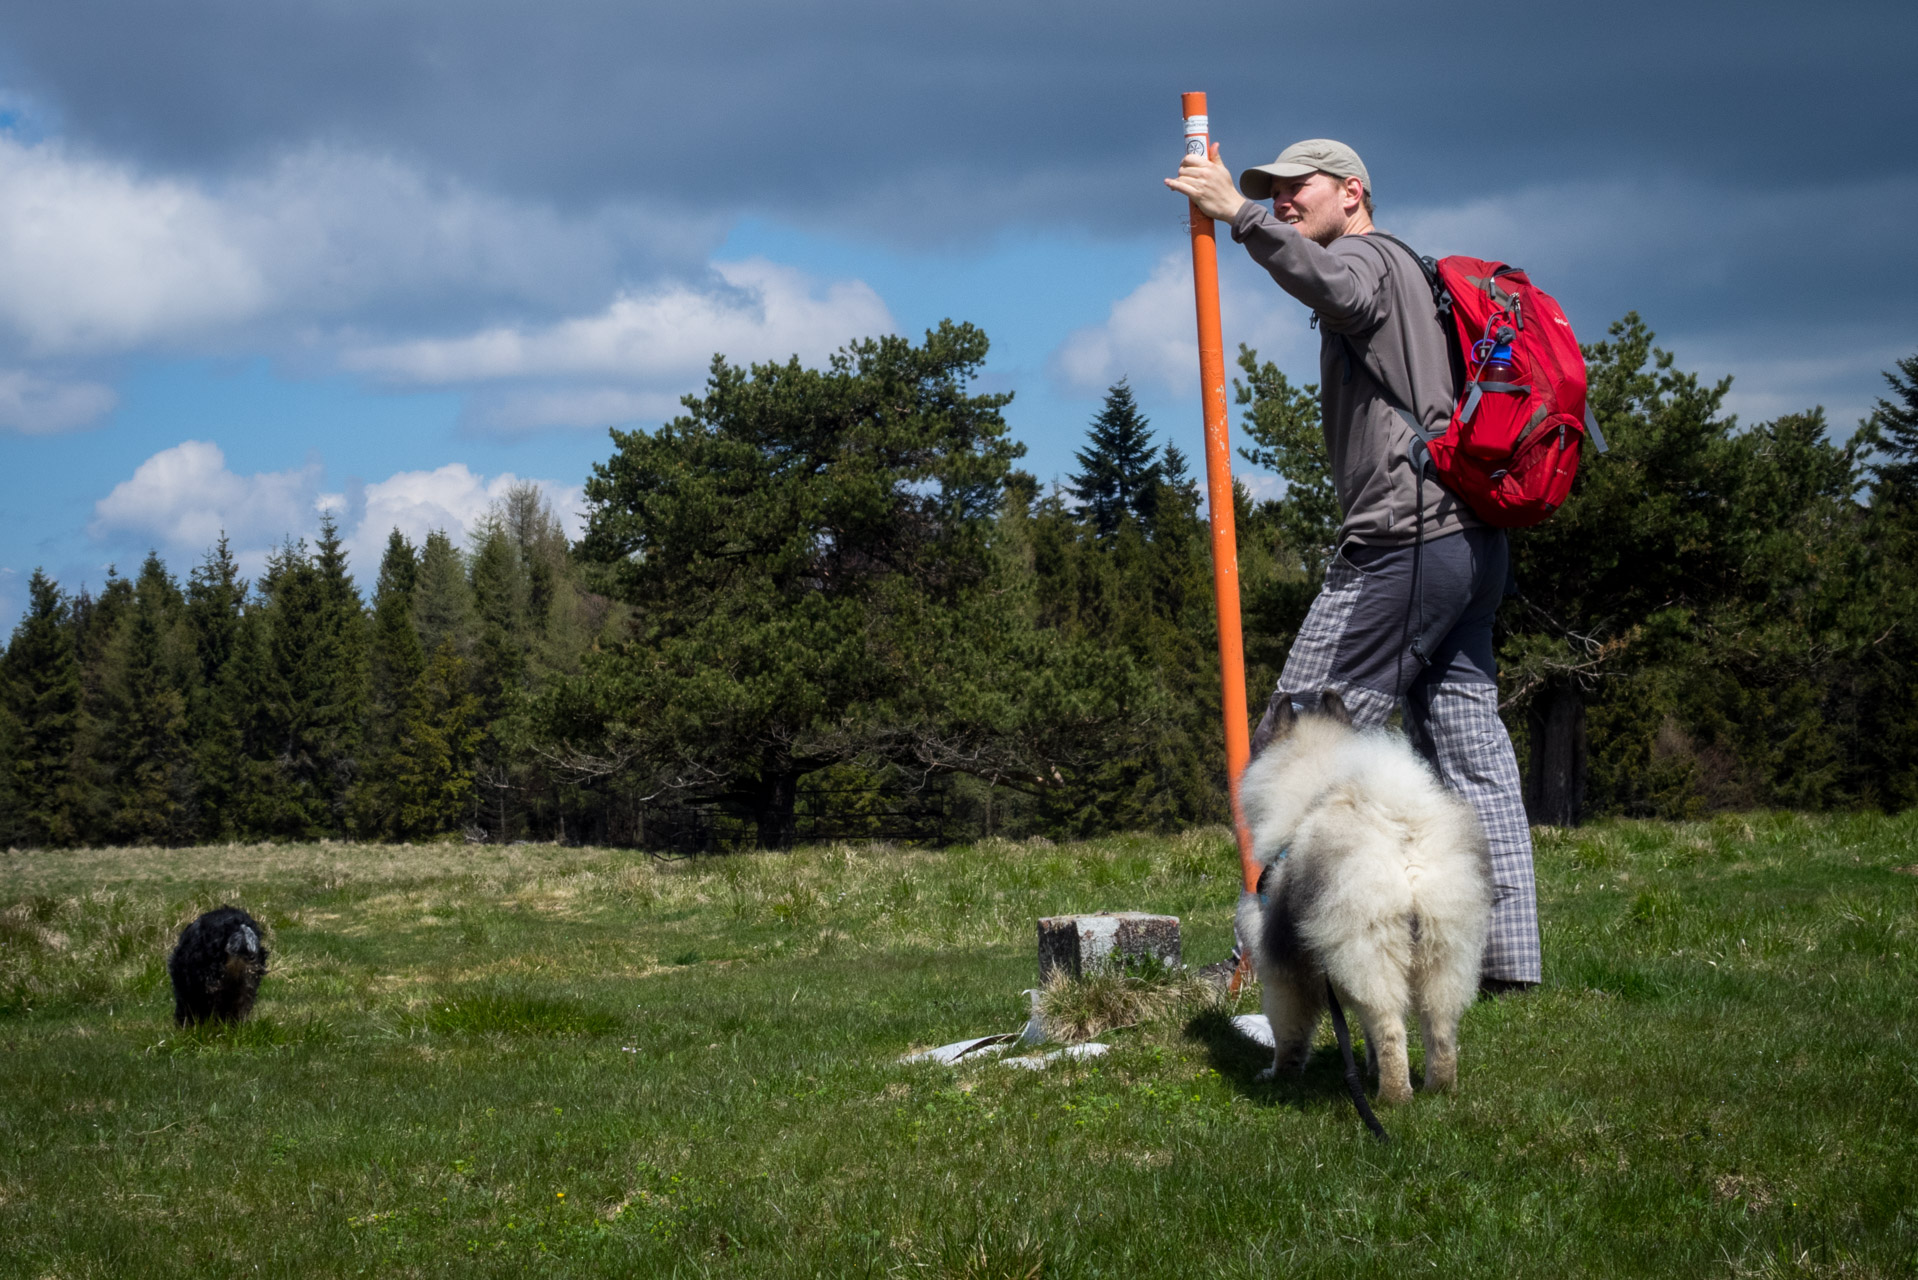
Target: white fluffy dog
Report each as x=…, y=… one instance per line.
x=1377, y=877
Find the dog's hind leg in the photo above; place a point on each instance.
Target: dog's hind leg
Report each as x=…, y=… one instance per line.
x=1385, y=1045
x=1445, y=981
x=1444, y=991
x=1440, y=1034
x=1293, y=1005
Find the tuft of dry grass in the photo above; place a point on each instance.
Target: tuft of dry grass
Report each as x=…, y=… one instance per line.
x=1078, y=1009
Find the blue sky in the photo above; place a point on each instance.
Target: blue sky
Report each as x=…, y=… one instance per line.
x=258, y=260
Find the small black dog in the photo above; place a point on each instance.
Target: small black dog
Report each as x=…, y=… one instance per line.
x=216, y=967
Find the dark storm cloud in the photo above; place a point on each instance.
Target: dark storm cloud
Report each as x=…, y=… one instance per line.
x=1739, y=172
x=837, y=111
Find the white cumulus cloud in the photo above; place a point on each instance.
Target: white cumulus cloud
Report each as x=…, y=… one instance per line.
x=332, y=258
x=756, y=310
x=1151, y=334
x=182, y=499
x=95, y=257
x=185, y=497
x=453, y=499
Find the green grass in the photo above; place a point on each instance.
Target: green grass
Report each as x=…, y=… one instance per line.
x=532, y=1060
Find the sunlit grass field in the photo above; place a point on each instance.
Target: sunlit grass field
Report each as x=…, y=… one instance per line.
x=534, y=1060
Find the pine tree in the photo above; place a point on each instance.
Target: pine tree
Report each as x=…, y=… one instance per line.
x=800, y=547
x=1121, y=478
x=43, y=699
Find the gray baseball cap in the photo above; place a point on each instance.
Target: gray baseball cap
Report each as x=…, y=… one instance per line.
x=1314, y=155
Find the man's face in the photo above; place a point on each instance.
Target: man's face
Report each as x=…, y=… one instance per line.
x=1315, y=204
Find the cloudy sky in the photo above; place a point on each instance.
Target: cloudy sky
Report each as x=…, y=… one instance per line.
x=258, y=259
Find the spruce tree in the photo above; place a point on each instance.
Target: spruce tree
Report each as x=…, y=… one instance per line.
x=442, y=599
x=43, y=694
x=1893, y=429
x=434, y=760
x=146, y=740
x=1884, y=693
x=341, y=674
x=291, y=800
x=503, y=634
x=97, y=624
x=1121, y=477
x=219, y=701
x=395, y=663
x=395, y=658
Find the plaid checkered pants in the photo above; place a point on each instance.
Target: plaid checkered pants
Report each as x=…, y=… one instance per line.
x=1456, y=726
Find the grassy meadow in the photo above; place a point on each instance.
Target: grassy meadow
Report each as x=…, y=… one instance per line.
x=474, y=1061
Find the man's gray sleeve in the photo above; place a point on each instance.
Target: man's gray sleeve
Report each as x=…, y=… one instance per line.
x=1345, y=285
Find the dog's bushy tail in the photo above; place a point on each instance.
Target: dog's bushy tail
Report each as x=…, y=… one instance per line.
x=1249, y=923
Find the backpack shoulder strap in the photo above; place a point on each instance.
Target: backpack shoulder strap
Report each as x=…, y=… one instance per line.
x=1441, y=300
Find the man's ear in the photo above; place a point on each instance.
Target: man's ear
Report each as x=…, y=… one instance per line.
x=1331, y=704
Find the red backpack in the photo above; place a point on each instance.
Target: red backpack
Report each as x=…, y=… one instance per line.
x=1511, y=448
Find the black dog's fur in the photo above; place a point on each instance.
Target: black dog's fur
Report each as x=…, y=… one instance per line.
x=216, y=967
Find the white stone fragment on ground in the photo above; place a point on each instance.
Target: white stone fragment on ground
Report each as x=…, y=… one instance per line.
x=1254, y=1027
x=1034, y=1031
x=1072, y=1052
x=1085, y=944
x=978, y=1046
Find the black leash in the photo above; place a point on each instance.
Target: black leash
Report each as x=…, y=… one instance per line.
x=1352, y=1080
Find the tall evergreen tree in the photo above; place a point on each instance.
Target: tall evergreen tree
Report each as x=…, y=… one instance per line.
x=154, y=788
x=43, y=694
x=1892, y=430
x=797, y=547
x=1884, y=694
x=97, y=625
x=395, y=657
x=442, y=598
x=395, y=664
x=433, y=762
x=1282, y=421
x=1121, y=475
x=314, y=685
x=340, y=680
x=220, y=696
x=496, y=573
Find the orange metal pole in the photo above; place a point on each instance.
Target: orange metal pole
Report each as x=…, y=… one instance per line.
x=1218, y=479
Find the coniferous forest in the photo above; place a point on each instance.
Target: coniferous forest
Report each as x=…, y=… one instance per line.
x=827, y=603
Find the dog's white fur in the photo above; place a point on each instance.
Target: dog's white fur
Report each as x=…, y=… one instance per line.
x=1379, y=878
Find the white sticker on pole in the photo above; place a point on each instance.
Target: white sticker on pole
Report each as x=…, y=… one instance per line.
x=1197, y=129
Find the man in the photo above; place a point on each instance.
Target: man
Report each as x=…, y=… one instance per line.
x=1405, y=615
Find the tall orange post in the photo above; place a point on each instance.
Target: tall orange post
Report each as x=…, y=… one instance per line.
x=1218, y=483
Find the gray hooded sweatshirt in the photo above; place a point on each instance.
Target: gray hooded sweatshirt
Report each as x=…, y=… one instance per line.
x=1378, y=328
